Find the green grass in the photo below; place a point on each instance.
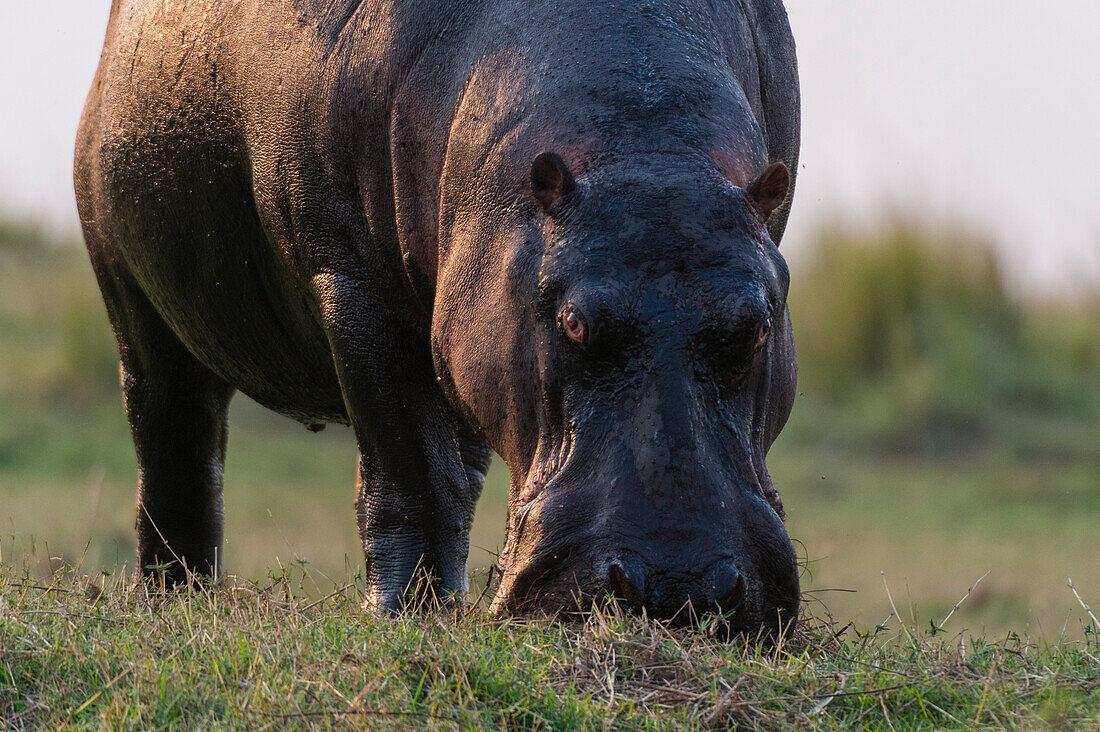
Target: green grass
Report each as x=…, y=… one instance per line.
x=944, y=432
x=106, y=653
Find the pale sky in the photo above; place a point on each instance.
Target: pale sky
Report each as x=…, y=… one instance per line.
x=983, y=112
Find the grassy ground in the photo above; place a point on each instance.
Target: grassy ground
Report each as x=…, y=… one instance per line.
x=105, y=653
x=943, y=433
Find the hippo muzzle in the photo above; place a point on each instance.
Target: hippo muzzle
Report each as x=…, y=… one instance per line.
x=700, y=541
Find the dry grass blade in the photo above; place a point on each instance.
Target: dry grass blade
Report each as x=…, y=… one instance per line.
x=894, y=607
x=820, y=706
x=1096, y=623
x=938, y=628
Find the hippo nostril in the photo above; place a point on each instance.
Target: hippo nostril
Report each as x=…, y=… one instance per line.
x=733, y=598
x=727, y=587
x=629, y=589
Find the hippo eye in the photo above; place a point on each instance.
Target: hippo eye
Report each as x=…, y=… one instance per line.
x=762, y=334
x=573, y=324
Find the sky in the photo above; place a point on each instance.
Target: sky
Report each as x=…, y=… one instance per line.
x=979, y=113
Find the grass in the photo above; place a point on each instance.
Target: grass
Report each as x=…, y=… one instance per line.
x=108, y=653
x=944, y=432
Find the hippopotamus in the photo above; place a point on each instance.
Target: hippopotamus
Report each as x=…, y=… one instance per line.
x=548, y=230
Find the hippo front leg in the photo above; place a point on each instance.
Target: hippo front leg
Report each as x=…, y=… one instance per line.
x=416, y=493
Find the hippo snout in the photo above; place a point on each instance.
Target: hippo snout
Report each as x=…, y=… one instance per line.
x=674, y=595
x=683, y=596
x=676, y=565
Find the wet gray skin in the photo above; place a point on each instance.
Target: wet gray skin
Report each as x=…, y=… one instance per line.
x=548, y=230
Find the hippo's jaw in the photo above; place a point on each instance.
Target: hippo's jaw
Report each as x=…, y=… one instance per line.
x=682, y=546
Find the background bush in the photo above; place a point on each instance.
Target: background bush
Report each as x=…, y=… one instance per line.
x=914, y=335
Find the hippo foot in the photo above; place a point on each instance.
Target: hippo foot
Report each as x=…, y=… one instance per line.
x=423, y=591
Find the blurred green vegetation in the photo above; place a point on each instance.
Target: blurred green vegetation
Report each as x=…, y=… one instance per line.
x=944, y=428
x=913, y=335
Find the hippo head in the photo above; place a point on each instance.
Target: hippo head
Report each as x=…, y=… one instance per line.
x=624, y=343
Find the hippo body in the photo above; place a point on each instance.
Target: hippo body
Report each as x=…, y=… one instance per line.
x=549, y=228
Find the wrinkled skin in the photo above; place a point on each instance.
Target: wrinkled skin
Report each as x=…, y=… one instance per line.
x=546, y=228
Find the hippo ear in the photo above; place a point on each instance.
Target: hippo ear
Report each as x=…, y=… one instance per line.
x=550, y=180
x=767, y=192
